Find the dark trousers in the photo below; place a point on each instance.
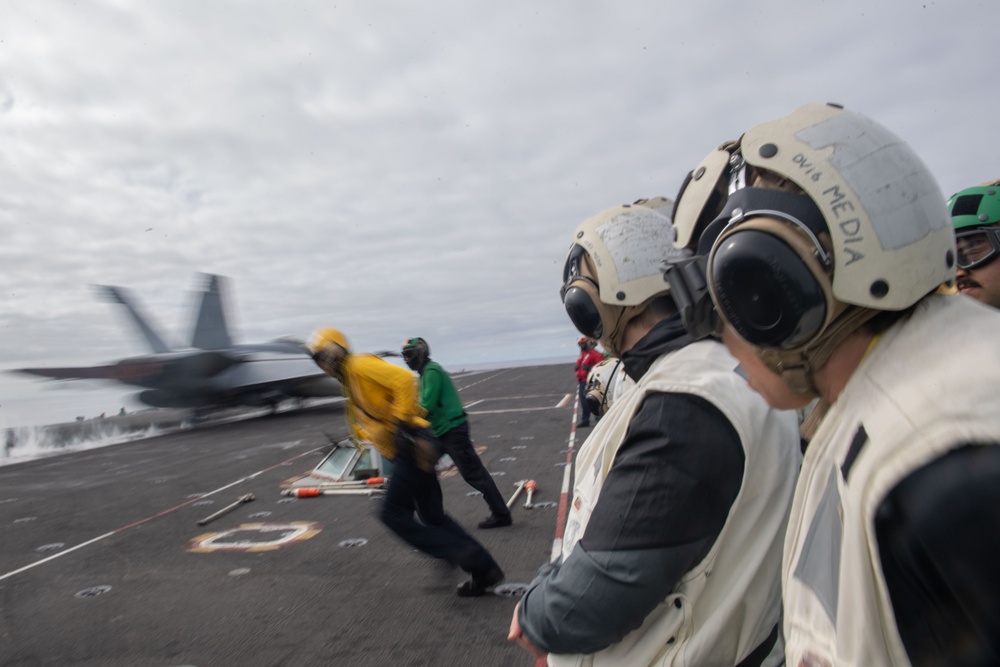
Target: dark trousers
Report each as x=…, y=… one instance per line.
x=458, y=446
x=584, y=410
x=412, y=490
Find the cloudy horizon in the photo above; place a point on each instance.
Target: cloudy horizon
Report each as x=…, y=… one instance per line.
x=402, y=169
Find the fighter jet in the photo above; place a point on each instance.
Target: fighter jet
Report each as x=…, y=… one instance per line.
x=212, y=373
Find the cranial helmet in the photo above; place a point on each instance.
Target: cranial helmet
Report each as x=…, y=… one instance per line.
x=329, y=348
x=416, y=352
x=323, y=337
x=614, y=268
x=604, y=385
x=828, y=218
x=974, y=207
x=975, y=215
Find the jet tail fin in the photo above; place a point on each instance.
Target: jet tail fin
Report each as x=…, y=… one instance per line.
x=210, y=329
x=119, y=295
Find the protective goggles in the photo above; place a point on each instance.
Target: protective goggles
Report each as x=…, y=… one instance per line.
x=977, y=247
x=580, y=296
x=329, y=356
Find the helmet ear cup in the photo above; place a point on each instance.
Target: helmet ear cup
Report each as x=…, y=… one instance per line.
x=770, y=285
x=581, y=299
x=595, y=401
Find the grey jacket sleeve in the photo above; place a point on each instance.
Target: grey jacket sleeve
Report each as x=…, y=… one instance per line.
x=663, y=504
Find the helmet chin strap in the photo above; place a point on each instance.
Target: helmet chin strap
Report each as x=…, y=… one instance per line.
x=797, y=367
x=612, y=342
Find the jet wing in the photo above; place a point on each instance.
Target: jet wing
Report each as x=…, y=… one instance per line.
x=125, y=372
x=187, y=372
x=280, y=373
x=260, y=369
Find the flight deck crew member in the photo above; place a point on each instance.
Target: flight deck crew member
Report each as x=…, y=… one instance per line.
x=975, y=215
x=382, y=408
x=450, y=424
x=824, y=262
x=586, y=361
x=672, y=548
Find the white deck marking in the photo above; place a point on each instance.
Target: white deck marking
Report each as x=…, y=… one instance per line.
x=561, y=404
x=561, y=513
x=497, y=412
x=155, y=516
x=236, y=539
x=485, y=379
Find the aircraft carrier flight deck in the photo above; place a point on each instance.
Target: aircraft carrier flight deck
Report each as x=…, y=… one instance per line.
x=103, y=560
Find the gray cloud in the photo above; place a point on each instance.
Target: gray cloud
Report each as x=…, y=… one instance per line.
x=415, y=169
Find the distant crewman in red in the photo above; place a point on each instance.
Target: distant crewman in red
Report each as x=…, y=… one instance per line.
x=589, y=357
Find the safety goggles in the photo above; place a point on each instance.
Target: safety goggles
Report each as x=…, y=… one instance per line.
x=329, y=358
x=977, y=247
x=410, y=354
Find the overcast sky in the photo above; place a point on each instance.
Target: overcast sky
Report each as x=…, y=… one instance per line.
x=409, y=168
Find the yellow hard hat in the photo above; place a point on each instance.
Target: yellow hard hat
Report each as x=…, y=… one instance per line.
x=323, y=337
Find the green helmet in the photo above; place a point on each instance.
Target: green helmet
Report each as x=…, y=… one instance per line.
x=975, y=207
x=416, y=352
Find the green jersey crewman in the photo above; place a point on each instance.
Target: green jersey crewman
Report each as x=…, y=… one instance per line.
x=450, y=424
